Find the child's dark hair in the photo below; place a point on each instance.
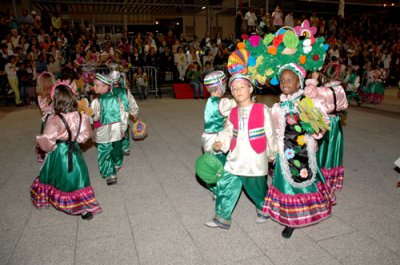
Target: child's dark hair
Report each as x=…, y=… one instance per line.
x=64, y=100
x=68, y=73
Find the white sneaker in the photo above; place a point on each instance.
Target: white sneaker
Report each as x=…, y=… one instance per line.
x=211, y=224
x=261, y=219
x=10, y=92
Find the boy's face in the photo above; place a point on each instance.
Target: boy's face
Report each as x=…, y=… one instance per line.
x=241, y=91
x=100, y=88
x=289, y=82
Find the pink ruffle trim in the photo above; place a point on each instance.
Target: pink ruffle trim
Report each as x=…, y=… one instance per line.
x=298, y=210
x=334, y=177
x=76, y=203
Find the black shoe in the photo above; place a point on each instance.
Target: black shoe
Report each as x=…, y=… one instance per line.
x=287, y=232
x=112, y=180
x=87, y=216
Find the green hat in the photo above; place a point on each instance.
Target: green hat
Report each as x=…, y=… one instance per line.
x=209, y=168
x=104, y=79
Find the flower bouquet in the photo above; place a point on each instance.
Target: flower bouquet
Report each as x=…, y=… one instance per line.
x=311, y=119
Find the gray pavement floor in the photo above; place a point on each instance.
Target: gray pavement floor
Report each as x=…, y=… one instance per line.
x=155, y=214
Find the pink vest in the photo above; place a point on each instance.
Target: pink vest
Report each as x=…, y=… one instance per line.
x=256, y=131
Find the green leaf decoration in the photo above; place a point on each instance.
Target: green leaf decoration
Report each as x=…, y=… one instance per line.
x=268, y=39
x=296, y=163
x=294, y=172
x=297, y=128
x=297, y=149
x=290, y=39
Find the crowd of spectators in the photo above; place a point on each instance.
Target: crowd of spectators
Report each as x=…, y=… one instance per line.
x=33, y=43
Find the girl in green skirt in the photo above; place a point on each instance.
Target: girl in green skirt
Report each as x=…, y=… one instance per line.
x=63, y=181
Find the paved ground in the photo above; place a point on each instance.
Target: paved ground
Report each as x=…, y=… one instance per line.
x=156, y=213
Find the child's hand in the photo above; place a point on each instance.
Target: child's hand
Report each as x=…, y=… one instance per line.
x=217, y=146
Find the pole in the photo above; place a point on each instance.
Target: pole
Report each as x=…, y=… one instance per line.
x=15, y=9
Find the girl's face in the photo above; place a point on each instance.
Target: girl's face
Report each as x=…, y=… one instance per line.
x=241, y=91
x=289, y=82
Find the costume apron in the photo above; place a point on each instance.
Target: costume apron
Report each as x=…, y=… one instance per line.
x=298, y=195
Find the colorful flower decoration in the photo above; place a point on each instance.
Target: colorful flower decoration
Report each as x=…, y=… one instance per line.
x=305, y=30
x=284, y=47
x=278, y=40
x=241, y=45
x=303, y=173
x=290, y=40
x=237, y=62
x=272, y=50
x=268, y=39
x=289, y=153
x=255, y=40
x=302, y=59
x=301, y=140
x=292, y=119
x=311, y=117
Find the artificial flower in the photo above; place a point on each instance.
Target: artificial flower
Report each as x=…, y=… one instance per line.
x=289, y=153
x=311, y=117
x=278, y=40
x=292, y=119
x=255, y=40
x=272, y=50
x=303, y=173
x=302, y=59
x=241, y=45
x=301, y=140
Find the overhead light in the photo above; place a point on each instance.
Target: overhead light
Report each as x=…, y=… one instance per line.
x=203, y=7
x=177, y=23
x=392, y=4
x=157, y=22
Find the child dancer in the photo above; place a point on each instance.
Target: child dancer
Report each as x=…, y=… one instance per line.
x=121, y=90
x=298, y=196
x=215, y=113
x=375, y=91
x=352, y=82
x=110, y=125
x=44, y=84
x=250, y=138
x=64, y=178
x=333, y=99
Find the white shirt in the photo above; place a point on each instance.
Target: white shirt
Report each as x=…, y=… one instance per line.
x=243, y=160
x=251, y=18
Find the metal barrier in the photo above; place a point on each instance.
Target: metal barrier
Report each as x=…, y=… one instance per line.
x=152, y=83
x=102, y=70
x=152, y=75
